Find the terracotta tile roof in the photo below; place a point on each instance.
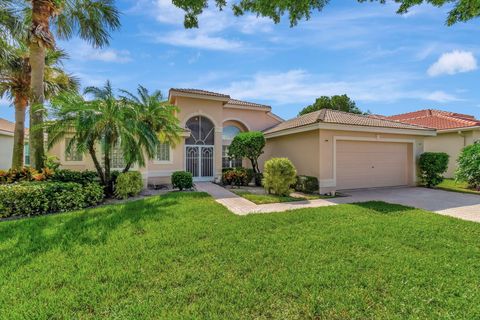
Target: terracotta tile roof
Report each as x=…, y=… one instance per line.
x=202, y=92
x=247, y=104
x=6, y=126
x=9, y=127
x=437, y=119
x=220, y=95
x=340, y=117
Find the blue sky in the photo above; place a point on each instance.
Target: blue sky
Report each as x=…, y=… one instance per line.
x=387, y=63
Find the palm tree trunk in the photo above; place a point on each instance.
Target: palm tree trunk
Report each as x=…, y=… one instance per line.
x=20, y=103
x=93, y=154
x=40, y=38
x=127, y=167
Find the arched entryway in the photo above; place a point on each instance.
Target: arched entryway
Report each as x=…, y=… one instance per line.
x=199, y=148
x=230, y=129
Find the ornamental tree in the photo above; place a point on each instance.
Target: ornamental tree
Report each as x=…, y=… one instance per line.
x=248, y=145
x=432, y=166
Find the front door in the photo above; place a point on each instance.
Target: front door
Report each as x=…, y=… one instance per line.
x=199, y=162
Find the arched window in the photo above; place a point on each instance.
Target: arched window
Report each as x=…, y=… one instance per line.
x=229, y=132
x=202, y=131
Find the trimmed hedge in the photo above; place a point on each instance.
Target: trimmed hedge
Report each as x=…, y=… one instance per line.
x=128, y=184
x=432, y=166
x=46, y=197
x=82, y=177
x=182, y=180
x=306, y=184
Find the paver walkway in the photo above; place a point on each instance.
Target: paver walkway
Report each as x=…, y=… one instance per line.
x=463, y=206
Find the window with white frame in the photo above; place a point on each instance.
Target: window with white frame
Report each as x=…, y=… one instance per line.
x=118, y=161
x=229, y=132
x=163, y=152
x=228, y=162
x=72, y=154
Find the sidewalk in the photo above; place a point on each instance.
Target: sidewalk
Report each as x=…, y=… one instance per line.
x=242, y=206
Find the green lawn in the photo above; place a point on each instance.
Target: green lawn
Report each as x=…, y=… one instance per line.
x=183, y=256
x=271, y=198
x=452, y=185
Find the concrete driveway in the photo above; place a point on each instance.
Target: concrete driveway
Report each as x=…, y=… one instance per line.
x=459, y=205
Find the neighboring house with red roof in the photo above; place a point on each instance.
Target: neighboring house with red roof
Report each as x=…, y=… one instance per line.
x=6, y=144
x=454, y=131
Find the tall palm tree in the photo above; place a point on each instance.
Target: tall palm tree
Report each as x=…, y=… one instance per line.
x=153, y=112
x=15, y=84
x=92, y=20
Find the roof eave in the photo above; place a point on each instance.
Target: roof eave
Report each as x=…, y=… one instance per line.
x=350, y=127
x=174, y=93
x=458, y=129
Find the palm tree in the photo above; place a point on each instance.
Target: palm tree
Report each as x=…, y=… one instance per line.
x=109, y=122
x=153, y=112
x=90, y=19
x=15, y=84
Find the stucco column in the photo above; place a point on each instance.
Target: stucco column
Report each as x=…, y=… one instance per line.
x=218, y=152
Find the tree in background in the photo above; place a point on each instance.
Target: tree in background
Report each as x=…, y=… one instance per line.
x=108, y=122
x=462, y=11
x=342, y=103
x=15, y=85
x=91, y=20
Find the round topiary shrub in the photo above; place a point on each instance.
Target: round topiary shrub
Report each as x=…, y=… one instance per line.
x=278, y=176
x=128, y=184
x=182, y=180
x=469, y=166
x=432, y=166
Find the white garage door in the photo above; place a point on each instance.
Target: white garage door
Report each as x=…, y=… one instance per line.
x=371, y=164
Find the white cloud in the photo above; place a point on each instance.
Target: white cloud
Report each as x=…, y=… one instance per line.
x=440, y=96
x=110, y=55
x=212, y=26
x=300, y=87
x=199, y=40
x=79, y=50
x=452, y=63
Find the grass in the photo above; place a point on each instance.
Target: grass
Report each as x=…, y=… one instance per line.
x=183, y=256
x=452, y=185
x=273, y=198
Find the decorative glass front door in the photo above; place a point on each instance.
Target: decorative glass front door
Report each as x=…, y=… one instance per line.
x=199, y=152
x=199, y=162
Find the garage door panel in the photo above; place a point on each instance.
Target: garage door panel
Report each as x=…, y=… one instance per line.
x=371, y=164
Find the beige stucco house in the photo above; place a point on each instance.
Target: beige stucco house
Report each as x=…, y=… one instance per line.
x=343, y=150
x=7, y=129
x=349, y=151
x=211, y=121
x=454, y=132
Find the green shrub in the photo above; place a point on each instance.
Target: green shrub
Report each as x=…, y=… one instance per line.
x=182, y=180
x=35, y=198
x=469, y=166
x=432, y=166
x=278, y=175
x=306, y=184
x=82, y=177
x=128, y=184
x=237, y=177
